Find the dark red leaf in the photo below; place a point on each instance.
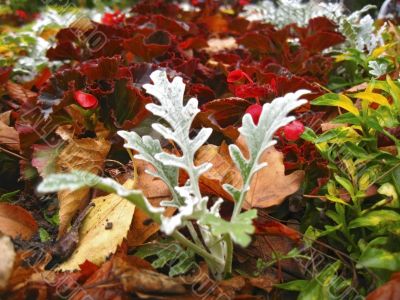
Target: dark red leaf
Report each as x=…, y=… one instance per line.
x=237, y=75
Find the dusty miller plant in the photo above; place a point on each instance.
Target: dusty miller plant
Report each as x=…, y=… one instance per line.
x=359, y=30
x=215, y=236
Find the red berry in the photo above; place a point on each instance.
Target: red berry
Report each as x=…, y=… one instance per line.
x=21, y=14
x=113, y=18
x=255, y=112
x=86, y=100
x=293, y=131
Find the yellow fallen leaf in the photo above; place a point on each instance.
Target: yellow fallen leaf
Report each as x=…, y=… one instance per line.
x=7, y=260
x=103, y=230
x=80, y=154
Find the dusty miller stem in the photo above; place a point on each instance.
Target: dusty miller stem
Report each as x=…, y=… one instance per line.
x=198, y=250
x=229, y=256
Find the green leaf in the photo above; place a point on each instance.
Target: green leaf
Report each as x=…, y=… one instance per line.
x=318, y=288
x=309, y=135
x=396, y=179
x=379, y=259
x=375, y=218
x=347, y=118
x=337, y=100
x=8, y=196
x=371, y=122
x=53, y=220
x=344, y=182
x=239, y=229
x=336, y=199
x=355, y=150
x=295, y=285
x=234, y=192
x=394, y=91
x=168, y=253
x=43, y=235
x=339, y=136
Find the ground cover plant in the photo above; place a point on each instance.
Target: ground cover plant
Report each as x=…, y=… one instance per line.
x=198, y=150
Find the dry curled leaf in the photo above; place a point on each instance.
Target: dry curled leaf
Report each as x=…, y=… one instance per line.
x=103, y=230
x=15, y=221
x=79, y=154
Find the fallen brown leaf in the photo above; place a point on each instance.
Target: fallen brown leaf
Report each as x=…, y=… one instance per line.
x=79, y=154
x=7, y=260
x=265, y=282
x=222, y=172
x=388, y=291
x=155, y=190
x=269, y=187
x=28, y=269
x=9, y=137
x=15, y=221
x=272, y=227
x=146, y=281
x=19, y=93
x=5, y=117
x=120, y=276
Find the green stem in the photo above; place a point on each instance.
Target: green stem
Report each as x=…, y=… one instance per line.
x=239, y=204
x=229, y=256
x=198, y=250
x=194, y=234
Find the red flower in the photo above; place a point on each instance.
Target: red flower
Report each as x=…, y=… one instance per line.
x=237, y=75
x=86, y=100
x=244, y=2
x=255, y=112
x=113, y=18
x=293, y=131
x=21, y=14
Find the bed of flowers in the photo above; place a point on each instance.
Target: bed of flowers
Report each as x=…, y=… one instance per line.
x=198, y=150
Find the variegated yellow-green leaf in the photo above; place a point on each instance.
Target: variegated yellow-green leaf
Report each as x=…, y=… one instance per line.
x=337, y=100
x=372, y=97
